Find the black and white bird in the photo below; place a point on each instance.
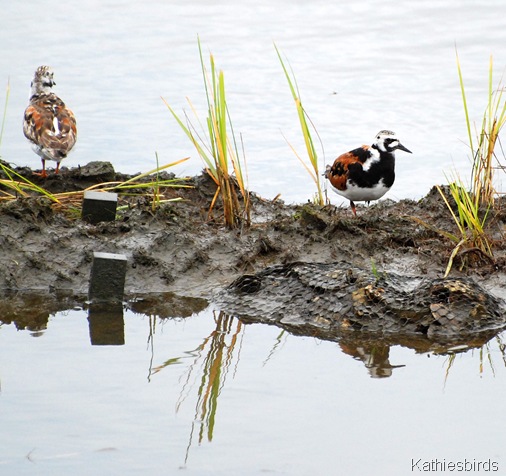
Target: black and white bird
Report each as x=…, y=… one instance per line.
x=48, y=123
x=368, y=172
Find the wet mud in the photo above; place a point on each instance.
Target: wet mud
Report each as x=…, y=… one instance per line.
x=179, y=248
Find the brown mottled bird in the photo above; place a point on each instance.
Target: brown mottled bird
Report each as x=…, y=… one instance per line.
x=368, y=172
x=48, y=123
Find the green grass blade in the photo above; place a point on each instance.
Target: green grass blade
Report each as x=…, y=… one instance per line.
x=7, y=95
x=306, y=134
x=156, y=171
x=27, y=184
x=464, y=101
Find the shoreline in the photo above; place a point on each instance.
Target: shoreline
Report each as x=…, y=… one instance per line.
x=177, y=249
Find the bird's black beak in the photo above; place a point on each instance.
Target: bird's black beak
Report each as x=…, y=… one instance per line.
x=401, y=147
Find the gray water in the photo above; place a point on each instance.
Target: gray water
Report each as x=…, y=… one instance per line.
x=282, y=404
x=361, y=67
x=207, y=395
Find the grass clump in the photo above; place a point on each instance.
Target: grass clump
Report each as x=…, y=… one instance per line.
x=312, y=167
x=483, y=154
x=218, y=148
x=470, y=220
x=473, y=204
x=147, y=184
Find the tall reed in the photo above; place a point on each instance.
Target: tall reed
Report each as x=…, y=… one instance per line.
x=312, y=167
x=218, y=149
x=7, y=94
x=483, y=154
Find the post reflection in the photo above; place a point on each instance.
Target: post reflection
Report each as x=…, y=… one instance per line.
x=106, y=323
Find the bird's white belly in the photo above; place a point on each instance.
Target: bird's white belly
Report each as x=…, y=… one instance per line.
x=357, y=194
x=43, y=153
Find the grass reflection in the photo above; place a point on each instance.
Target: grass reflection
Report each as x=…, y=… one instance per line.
x=213, y=361
x=485, y=357
x=214, y=357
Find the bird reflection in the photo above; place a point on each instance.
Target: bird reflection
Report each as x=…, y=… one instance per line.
x=376, y=358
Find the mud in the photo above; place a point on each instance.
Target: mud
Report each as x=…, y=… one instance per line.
x=178, y=248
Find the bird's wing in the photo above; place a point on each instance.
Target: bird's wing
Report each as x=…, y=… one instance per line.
x=352, y=160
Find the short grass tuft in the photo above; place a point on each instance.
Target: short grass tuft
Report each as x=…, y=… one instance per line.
x=470, y=220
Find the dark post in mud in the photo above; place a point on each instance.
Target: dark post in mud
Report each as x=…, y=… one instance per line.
x=105, y=291
x=107, y=279
x=99, y=206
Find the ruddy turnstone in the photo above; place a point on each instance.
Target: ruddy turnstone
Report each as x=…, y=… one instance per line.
x=48, y=124
x=366, y=173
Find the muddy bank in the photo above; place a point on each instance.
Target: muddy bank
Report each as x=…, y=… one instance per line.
x=178, y=248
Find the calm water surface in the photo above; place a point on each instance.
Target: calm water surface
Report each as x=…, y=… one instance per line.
x=361, y=66
x=280, y=404
x=207, y=395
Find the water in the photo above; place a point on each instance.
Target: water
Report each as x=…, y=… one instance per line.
x=208, y=395
x=361, y=67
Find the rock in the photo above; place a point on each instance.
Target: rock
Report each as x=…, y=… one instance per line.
x=97, y=171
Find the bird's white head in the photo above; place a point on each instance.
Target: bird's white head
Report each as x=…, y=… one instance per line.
x=387, y=141
x=42, y=82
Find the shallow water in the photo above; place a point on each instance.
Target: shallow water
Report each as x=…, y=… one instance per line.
x=209, y=395
x=361, y=67
x=281, y=404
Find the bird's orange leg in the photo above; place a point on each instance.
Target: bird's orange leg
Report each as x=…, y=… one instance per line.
x=42, y=174
x=353, y=208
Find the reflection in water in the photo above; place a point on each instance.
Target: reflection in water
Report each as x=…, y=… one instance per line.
x=374, y=352
x=280, y=339
x=485, y=356
x=212, y=363
x=166, y=305
x=31, y=311
x=106, y=323
x=217, y=356
x=374, y=356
